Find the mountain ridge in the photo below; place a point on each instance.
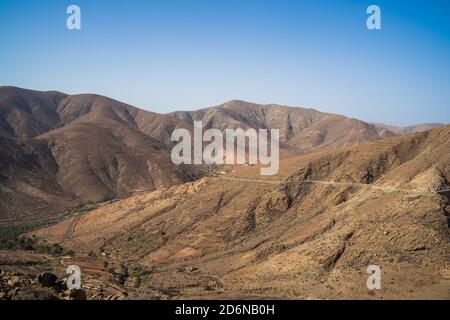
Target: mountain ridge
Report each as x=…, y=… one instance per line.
x=309, y=233
x=88, y=148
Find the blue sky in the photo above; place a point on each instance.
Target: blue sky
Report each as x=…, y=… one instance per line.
x=166, y=55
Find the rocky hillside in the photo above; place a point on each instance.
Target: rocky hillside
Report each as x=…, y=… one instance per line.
x=301, y=130
x=61, y=151
x=409, y=129
x=79, y=149
x=310, y=232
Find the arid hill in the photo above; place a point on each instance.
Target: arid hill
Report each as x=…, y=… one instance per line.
x=28, y=181
x=301, y=130
x=79, y=149
x=409, y=129
x=59, y=151
x=309, y=232
x=28, y=113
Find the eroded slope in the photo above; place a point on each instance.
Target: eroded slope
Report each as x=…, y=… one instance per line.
x=310, y=232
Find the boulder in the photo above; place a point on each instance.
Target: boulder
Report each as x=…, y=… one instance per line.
x=13, y=281
x=47, y=279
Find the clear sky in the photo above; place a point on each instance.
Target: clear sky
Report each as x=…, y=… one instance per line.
x=166, y=55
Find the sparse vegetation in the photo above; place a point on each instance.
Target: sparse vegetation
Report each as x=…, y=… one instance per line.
x=32, y=244
x=140, y=271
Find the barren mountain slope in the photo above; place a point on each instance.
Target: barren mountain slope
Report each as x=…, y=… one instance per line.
x=86, y=148
x=103, y=154
x=28, y=180
x=28, y=113
x=409, y=129
x=77, y=149
x=310, y=232
x=301, y=130
x=96, y=109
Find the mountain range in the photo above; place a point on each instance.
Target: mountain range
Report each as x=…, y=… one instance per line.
x=309, y=232
x=94, y=176
x=63, y=150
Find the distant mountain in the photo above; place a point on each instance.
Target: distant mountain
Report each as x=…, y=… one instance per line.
x=301, y=130
x=409, y=129
x=60, y=150
x=85, y=148
x=27, y=113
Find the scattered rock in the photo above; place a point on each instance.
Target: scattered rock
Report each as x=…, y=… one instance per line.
x=193, y=269
x=75, y=294
x=36, y=294
x=113, y=297
x=13, y=281
x=445, y=273
x=47, y=279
